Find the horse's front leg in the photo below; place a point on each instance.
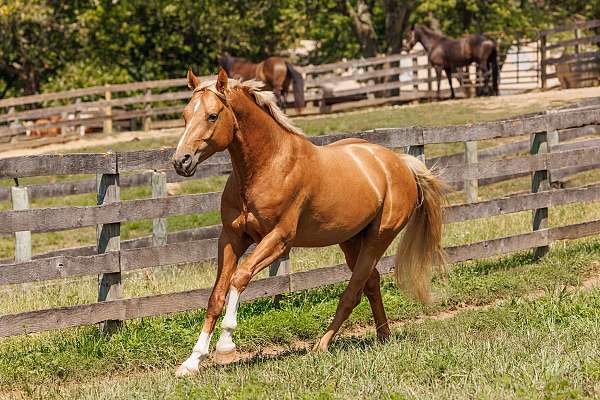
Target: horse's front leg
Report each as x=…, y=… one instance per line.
x=231, y=248
x=273, y=246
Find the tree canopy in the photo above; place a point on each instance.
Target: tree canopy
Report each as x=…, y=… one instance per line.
x=53, y=45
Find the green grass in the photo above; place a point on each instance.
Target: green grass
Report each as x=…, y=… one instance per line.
x=150, y=344
x=543, y=349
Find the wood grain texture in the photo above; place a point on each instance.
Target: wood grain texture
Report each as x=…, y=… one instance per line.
x=58, y=267
x=60, y=164
x=108, y=240
x=60, y=218
x=170, y=254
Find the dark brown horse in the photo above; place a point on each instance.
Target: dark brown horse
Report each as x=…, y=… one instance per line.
x=275, y=72
x=448, y=54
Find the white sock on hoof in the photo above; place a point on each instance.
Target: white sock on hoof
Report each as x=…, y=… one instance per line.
x=225, y=343
x=199, y=351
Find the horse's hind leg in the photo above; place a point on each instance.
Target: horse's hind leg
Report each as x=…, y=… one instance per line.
x=449, y=76
x=372, y=248
x=372, y=289
x=438, y=77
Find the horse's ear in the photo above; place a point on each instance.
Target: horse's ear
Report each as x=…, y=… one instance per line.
x=193, y=80
x=222, y=80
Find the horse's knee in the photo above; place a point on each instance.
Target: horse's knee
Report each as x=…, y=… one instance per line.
x=240, y=279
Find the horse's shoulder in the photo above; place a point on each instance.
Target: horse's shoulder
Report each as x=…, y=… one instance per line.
x=348, y=141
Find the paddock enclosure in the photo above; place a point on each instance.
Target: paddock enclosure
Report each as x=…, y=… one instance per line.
x=546, y=146
x=349, y=84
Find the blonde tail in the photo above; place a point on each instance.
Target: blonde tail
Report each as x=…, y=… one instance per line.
x=421, y=245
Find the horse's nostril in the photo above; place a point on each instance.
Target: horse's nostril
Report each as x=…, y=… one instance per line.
x=186, y=160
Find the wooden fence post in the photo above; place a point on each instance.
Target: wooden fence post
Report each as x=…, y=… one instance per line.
x=78, y=116
x=471, y=185
x=577, y=45
x=159, y=225
x=540, y=182
x=543, y=61
x=283, y=266
x=64, y=129
x=107, y=125
x=417, y=151
x=20, y=201
x=415, y=73
x=147, y=107
x=109, y=239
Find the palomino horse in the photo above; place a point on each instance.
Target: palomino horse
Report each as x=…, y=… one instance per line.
x=448, y=54
x=275, y=72
x=285, y=191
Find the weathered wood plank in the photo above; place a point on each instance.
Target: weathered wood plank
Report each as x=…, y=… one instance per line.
x=58, y=267
x=170, y=254
x=109, y=240
x=60, y=164
x=60, y=218
x=159, y=225
x=495, y=247
x=521, y=202
x=20, y=201
x=540, y=182
x=59, y=189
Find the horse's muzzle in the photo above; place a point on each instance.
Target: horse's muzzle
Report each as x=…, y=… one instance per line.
x=185, y=165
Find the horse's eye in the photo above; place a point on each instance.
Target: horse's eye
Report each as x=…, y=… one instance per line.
x=212, y=117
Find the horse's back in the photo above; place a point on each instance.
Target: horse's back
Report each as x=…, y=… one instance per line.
x=275, y=70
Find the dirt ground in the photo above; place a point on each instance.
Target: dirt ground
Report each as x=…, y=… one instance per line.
x=549, y=99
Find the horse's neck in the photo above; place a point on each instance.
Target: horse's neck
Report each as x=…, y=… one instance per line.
x=257, y=141
x=428, y=38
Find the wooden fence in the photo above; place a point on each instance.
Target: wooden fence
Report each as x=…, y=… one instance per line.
x=157, y=104
x=571, y=54
x=111, y=258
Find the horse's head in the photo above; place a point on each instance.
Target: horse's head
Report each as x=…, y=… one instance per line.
x=410, y=40
x=209, y=124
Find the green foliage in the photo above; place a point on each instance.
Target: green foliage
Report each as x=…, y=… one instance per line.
x=85, y=73
x=50, y=45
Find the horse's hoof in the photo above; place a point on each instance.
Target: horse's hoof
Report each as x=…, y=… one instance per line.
x=184, y=370
x=383, y=336
x=321, y=347
x=224, y=358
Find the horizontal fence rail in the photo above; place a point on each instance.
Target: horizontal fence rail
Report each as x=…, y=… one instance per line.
x=200, y=244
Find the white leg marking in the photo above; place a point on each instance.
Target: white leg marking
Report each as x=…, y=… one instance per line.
x=225, y=343
x=199, y=351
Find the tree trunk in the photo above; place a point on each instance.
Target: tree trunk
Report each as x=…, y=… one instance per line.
x=396, y=22
x=362, y=22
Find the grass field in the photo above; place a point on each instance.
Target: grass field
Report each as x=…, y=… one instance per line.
x=546, y=347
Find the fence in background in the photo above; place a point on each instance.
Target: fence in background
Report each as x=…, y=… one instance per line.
x=157, y=104
x=111, y=258
x=570, y=53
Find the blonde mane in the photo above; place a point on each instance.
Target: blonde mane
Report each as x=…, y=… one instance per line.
x=264, y=98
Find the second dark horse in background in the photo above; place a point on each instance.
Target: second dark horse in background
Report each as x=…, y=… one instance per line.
x=448, y=54
x=275, y=72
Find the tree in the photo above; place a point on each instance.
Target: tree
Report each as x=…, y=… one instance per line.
x=36, y=42
x=397, y=13
x=362, y=22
